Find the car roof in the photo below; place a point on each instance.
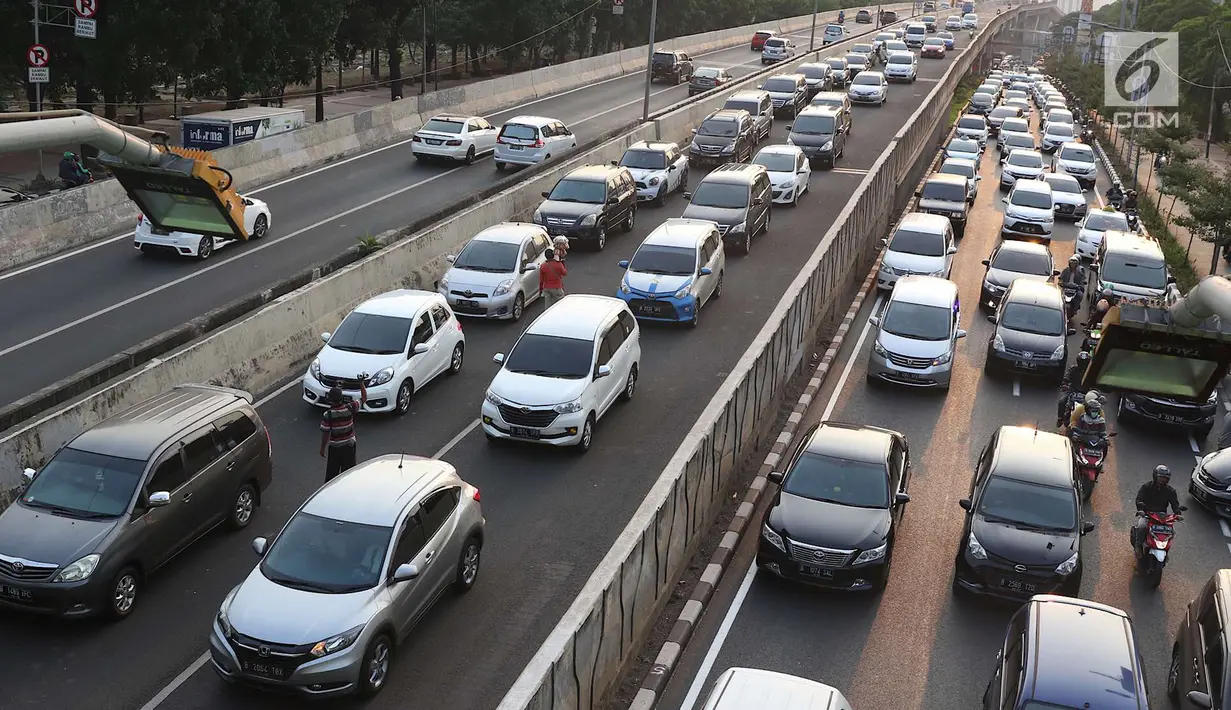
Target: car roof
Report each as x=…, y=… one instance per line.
x=739, y=688
x=766, y=32
x=592, y=173
x=139, y=431
x=656, y=146
x=1037, y=293
x=1023, y=246
x=1117, y=241
x=949, y=179
x=1034, y=456
x=780, y=149
x=1026, y=151
x=813, y=110
x=853, y=442
x=925, y=291
x=1065, y=178
x=900, y=53
x=376, y=491
x=509, y=232
x=1032, y=185
x=537, y=121
x=738, y=173
x=402, y=303
x=727, y=114
x=925, y=222
x=1075, y=144
x=975, y=116
x=835, y=95
x=577, y=316
x=873, y=74
x=748, y=95
x=793, y=76
x=452, y=117
x=680, y=232
x=964, y=162
x=1086, y=655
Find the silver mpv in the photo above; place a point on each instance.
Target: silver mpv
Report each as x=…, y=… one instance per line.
x=348, y=577
x=916, y=337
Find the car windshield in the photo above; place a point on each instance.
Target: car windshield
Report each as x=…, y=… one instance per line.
x=963, y=146
x=951, y=167
x=862, y=48
x=1019, y=140
x=82, y=484
x=1060, y=184
x=1030, y=505
x=867, y=80
x=1020, y=262
x=900, y=59
x=587, y=192
x=934, y=41
x=776, y=162
x=520, y=132
x=1033, y=319
x=945, y=35
x=836, y=64
x=823, y=100
x=1059, y=116
x=1129, y=271
x=1034, y=199
x=1025, y=160
x=1077, y=154
x=371, y=334
x=973, y=122
x=752, y=107
x=721, y=195
x=443, y=126
x=1003, y=112
x=1015, y=124
x=982, y=99
x=813, y=71
x=857, y=59
x=664, y=260
x=885, y=36
x=943, y=190
x=1103, y=221
x=493, y=257
x=316, y=554
x=551, y=356
x=1061, y=130
x=917, y=322
x=775, y=43
x=707, y=73
x=720, y=127
x=780, y=85
x=813, y=125
x=644, y=160
x=860, y=484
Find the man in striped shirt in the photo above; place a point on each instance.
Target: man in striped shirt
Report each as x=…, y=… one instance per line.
x=338, y=443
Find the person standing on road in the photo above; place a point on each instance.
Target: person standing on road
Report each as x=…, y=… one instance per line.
x=551, y=278
x=338, y=442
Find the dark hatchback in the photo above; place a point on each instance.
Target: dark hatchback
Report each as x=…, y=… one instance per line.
x=1164, y=410
x=1023, y=528
x=1031, y=336
x=1210, y=483
x=836, y=514
x=725, y=136
x=817, y=132
x=982, y=104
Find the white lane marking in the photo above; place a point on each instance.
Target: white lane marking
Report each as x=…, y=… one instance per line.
x=848, y=171
x=711, y=655
x=457, y=439
x=1226, y=529
x=205, y=270
x=1017, y=387
x=1193, y=443
x=265, y=400
x=177, y=682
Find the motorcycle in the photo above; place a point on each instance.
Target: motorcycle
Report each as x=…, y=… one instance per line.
x=1093, y=335
x=1087, y=137
x=1152, y=551
x=1132, y=218
x=1072, y=298
x=1089, y=454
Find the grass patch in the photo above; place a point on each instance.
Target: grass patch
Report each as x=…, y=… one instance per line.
x=961, y=95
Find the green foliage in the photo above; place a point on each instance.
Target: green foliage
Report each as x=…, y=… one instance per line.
x=368, y=244
x=961, y=94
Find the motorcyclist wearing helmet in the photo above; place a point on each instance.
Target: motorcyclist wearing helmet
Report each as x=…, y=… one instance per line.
x=1074, y=275
x=1115, y=193
x=1156, y=496
x=1071, y=387
x=72, y=172
x=1130, y=200
x=1087, y=417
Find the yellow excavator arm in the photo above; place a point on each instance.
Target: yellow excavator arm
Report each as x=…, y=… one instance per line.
x=177, y=189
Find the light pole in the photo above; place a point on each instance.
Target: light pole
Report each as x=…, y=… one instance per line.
x=812, y=37
x=649, y=63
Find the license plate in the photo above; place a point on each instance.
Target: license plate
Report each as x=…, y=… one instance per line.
x=814, y=571
x=16, y=593
x=268, y=671
x=1026, y=365
x=467, y=304
x=910, y=375
x=515, y=147
x=1170, y=418
x=524, y=433
x=1016, y=585
x=429, y=141
x=650, y=309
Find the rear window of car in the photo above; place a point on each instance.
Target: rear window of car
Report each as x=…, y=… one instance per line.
x=664, y=57
x=520, y=131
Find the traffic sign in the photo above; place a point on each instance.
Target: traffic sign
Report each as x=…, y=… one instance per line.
x=86, y=8
x=617, y=7
x=38, y=56
x=1083, y=21
x=38, y=75
x=85, y=28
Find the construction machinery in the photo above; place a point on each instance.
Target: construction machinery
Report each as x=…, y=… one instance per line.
x=177, y=189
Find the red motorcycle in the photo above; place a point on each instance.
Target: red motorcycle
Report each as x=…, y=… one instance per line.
x=1089, y=455
x=1155, y=546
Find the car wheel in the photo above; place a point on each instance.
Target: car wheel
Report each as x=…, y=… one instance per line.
x=631, y=222
x=745, y=247
x=600, y=242
x=519, y=307
x=661, y=198
x=684, y=180
x=405, y=392
x=124, y=589
x=260, y=227
x=468, y=565
x=630, y=385
x=205, y=248
x=717, y=288
x=243, y=507
x=457, y=359
x=375, y=669
x=1173, y=675
x=696, y=316
x=470, y=155
x=795, y=199
x=587, y=435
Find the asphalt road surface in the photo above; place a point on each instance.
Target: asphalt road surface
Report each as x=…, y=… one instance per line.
x=551, y=515
x=917, y=646
x=96, y=301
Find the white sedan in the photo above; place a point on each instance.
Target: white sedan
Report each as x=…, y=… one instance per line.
x=790, y=172
x=869, y=87
x=149, y=239
x=458, y=138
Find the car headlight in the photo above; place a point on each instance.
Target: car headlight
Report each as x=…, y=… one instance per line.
x=1059, y=353
x=876, y=553
x=315, y=369
x=943, y=358
x=683, y=293
x=879, y=349
x=772, y=537
x=827, y=147
x=537, y=217
x=568, y=407
x=589, y=220
x=225, y=624
x=1067, y=567
x=998, y=343
x=694, y=146
x=381, y=377
x=786, y=185
x=886, y=268
x=975, y=548
x=79, y=570
x=503, y=287
x=730, y=148
x=624, y=287
x=493, y=399
x=336, y=643
x=1213, y=398
x=739, y=228
x=653, y=181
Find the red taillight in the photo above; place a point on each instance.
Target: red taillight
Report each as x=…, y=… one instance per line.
x=416, y=139
x=454, y=143
x=459, y=325
x=474, y=494
x=538, y=143
x=140, y=219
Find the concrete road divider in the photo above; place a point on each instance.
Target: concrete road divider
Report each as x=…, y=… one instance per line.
x=605, y=626
x=33, y=230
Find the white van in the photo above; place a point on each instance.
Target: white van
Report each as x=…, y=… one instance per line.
x=752, y=689
x=1131, y=265
x=916, y=34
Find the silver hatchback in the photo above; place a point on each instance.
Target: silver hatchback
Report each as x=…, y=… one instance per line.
x=348, y=577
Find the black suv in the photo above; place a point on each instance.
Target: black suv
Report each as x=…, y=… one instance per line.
x=1199, y=676
x=725, y=136
x=929, y=21
x=863, y=17
x=673, y=66
x=587, y=202
x=737, y=197
x=818, y=133
x=948, y=196
x=888, y=17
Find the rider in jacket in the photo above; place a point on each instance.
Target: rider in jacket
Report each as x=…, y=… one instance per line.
x=1087, y=417
x=1156, y=496
x=1074, y=274
x=1071, y=386
x=1115, y=193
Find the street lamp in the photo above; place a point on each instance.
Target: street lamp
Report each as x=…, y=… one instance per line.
x=649, y=63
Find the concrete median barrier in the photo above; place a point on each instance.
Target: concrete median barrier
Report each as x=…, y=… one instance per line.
x=40, y=228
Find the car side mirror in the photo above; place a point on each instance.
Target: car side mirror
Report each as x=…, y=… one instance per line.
x=961, y=333
x=965, y=503
x=546, y=194
x=158, y=499
x=788, y=127
x=901, y=499
x=951, y=251
x=991, y=318
x=688, y=196
x=758, y=200
x=28, y=474
x=602, y=371
x=885, y=243
x=987, y=262
x=706, y=271
x=670, y=168
x=420, y=348
x=1072, y=331
x=1087, y=527
x=498, y=358
x=1004, y=200
x=1201, y=700
x=775, y=477
x=1055, y=272
x=918, y=193
x=615, y=163
x=694, y=131
x=875, y=321
x=978, y=178
x=624, y=263
x=450, y=258
x=528, y=267
x=1170, y=279
x=404, y=573
x=259, y=546
x=325, y=337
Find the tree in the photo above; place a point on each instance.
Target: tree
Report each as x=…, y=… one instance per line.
x=1209, y=209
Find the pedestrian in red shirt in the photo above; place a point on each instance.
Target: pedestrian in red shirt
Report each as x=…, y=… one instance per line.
x=551, y=278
